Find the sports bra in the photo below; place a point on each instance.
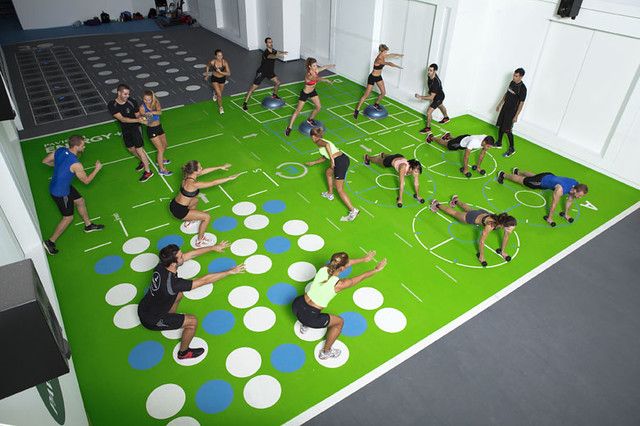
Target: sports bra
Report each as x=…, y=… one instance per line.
x=377, y=67
x=312, y=82
x=219, y=69
x=187, y=193
x=154, y=117
x=396, y=163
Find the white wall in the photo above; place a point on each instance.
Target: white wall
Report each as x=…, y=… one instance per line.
x=315, y=35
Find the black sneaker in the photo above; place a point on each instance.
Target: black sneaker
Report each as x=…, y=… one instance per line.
x=50, y=247
x=244, y=106
x=377, y=107
x=499, y=145
x=444, y=120
x=312, y=122
x=139, y=167
x=356, y=113
x=500, y=177
x=429, y=138
x=93, y=227
x=509, y=153
x=425, y=130
x=274, y=96
x=287, y=131
x=366, y=160
x=515, y=171
x=190, y=353
x=146, y=176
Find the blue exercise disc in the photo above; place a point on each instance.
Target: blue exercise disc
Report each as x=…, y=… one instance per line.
x=270, y=102
x=376, y=113
x=305, y=127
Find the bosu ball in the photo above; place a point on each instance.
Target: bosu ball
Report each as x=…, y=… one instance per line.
x=305, y=127
x=269, y=102
x=376, y=113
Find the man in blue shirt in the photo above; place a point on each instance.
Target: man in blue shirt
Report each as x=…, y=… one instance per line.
x=66, y=166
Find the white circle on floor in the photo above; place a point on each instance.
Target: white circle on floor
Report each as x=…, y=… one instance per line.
x=190, y=58
x=127, y=317
x=207, y=235
x=142, y=75
x=115, y=48
x=172, y=334
x=165, y=401
x=140, y=45
x=120, y=294
x=114, y=90
x=183, y=421
x=332, y=362
x=181, y=52
x=199, y=66
x=181, y=78
x=157, y=36
x=93, y=58
x=155, y=56
x=544, y=200
x=195, y=343
x=243, y=362
x=111, y=81
x=172, y=47
x=368, y=298
x=99, y=65
x=386, y=187
x=295, y=227
x=165, y=41
x=192, y=88
x=172, y=70
x=147, y=50
x=163, y=63
x=199, y=293
x=43, y=45
x=259, y=319
x=134, y=68
x=256, y=221
x=390, y=320
x=193, y=227
x=109, y=43
x=121, y=54
x=136, y=245
x=188, y=269
x=243, y=297
x=311, y=334
x=244, y=208
x=134, y=39
x=311, y=242
x=152, y=84
x=258, y=264
x=103, y=73
x=162, y=94
x=262, y=391
x=144, y=262
x=301, y=271
x=88, y=52
x=84, y=46
x=127, y=61
x=244, y=247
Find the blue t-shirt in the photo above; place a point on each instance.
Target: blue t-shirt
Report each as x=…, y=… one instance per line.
x=550, y=182
x=62, y=175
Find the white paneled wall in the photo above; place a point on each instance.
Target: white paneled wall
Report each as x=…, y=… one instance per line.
x=315, y=29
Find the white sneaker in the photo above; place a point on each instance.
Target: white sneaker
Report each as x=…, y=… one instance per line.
x=221, y=111
x=204, y=242
x=328, y=196
x=215, y=98
x=351, y=216
x=332, y=353
x=303, y=329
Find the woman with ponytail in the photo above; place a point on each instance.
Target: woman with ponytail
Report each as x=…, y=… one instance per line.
x=480, y=217
x=326, y=284
x=151, y=111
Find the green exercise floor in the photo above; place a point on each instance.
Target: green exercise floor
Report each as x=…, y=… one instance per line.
x=257, y=369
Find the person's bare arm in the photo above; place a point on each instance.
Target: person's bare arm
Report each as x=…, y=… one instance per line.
x=505, y=241
x=318, y=161
x=49, y=159
x=228, y=69
x=78, y=170
x=520, y=105
x=428, y=97
x=350, y=282
x=224, y=167
x=501, y=102
x=481, y=157
x=416, y=188
x=465, y=164
x=325, y=67
x=485, y=232
x=203, y=185
x=393, y=65
x=567, y=207
x=557, y=194
x=220, y=247
x=394, y=55
x=370, y=255
x=123, y=119
x=217, y=276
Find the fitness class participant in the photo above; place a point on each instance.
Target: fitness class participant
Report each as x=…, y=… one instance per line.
x=336, y=172
x=311, y=78
x=183, y=206
x=326, y=284
x=468, y=143
x=266, y=70
x=480, y=217
x=66, y=165
x=510, y=107
x=560, y=185
x=151, y=110
x=127, y=112
x=436, y=96
x=404, y=168
x=157, y=309
x=220, y=70
x=376, y=77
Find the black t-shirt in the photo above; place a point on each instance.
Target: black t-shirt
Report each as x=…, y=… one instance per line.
x=435, y=86
x=128, y=109
x=163, y=290
x=516, y=93
x=267, y=64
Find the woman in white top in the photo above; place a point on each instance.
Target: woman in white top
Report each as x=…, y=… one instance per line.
x=404, y=168
x=468, y=143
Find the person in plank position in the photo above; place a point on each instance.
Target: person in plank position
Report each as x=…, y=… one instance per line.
x=404, y=168
x=468, y=143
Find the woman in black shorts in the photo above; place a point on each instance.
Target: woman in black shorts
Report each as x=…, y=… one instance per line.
x=183, y=207
x=311, y=78
x=326, y=284
x=336, y=172
x=404, y=168
x=480, y=217
x=151, y=111
x=376, y=77
x=218, y=68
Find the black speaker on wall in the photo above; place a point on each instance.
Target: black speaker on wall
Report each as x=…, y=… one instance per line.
x=569, y=8
x=33, y=348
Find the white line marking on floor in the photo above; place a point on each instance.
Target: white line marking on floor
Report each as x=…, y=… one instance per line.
x=158, y=171
x=269, y=177
x=254, y=154
x=366, y=252
x=375, y=141
x=203, y=198
x=333, y=224
x=252, y=135
x=385, y=132
x=444, y=217
x=126, y=234
x=303, y=197
x=409, y=146
x=211, y=208
x=412, y=293
x=437, y=164
x=353, y=141
x=157, y=227
x=366, y=148
x=225, y=192
x=285, y=148
x=441, y=244
x=403, y=240
x=366, y=211
x=96, y=247
x=91, y=220
x=442, y=270
x=349, y=156
x=257, y=193
x=143, y=204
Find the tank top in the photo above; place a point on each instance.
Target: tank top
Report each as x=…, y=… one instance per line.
x=60, y=184
x=154, y=117
x=550, y=182
x=322, y=289
x=323, y=151
x=399, y=162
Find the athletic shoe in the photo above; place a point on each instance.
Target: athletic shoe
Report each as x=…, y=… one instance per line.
x=166, y=161
x=515, y=171
x=221, y=111
x=366, y=160
x=244, y=106
x=274, y=96
x=215, y=98
x=146, y=176
x=303, y=328
x=204, y=242
x=454, y=201
x=312, y=122
x=444, y=120
x=446, y=136
x=328, y=196
x=429, y=138
x=425, y=130
x=165, y=172
x=50, y=247
x=287, y=131
x=500, y=177
x=351, y=216
x=509, y=153
x=356, y=113
x=190, y=353
x=140, y=167
x=377, y=106
x=331, y=353
x=434, y=205
x=92, y=227
x=499, y=145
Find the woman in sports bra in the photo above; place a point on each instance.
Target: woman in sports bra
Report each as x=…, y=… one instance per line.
x=151, y=111
x=336, y=172
x=404, y=168
x=218, y=69
x=311, y=78
x=480, y=217
x=376, y=77
x=183, y=207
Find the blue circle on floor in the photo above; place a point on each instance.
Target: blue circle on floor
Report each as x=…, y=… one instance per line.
x=221, y=264
x=214, y=396
x=218, y=322
x=274, y=206
x=277, y=245
x=288, y=358
x=354, y=324
x=108, y=265
x=224, y=223
x=282, y=294
x=170, y=239
x=146, y=355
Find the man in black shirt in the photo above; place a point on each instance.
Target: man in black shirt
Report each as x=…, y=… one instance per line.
x=266, y=69
x=157, y=309
x=126, y=111
x=436, y=96
x=510, y=107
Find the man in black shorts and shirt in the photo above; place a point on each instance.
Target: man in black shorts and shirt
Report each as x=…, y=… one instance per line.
x=126, y=111
x=436, y=96
x=157, y=309
x=510, y=107
x=266, y=69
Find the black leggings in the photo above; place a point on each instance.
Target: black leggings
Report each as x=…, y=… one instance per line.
x=509, y=136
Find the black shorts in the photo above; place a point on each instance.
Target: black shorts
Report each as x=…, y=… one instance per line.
x=219, y=80
x=304, y=96
x=342, y=165
x=308, y=315
x=158, y=322
x=65, y=203
x=178, y=210
x=386, y=161
x=454, y=144
x=534, y=182
x=373, y=79
x=261, y=76
x=436, y=102
x=133, y=138
x=472, y=215
x=155, y=131
x=505, y=119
